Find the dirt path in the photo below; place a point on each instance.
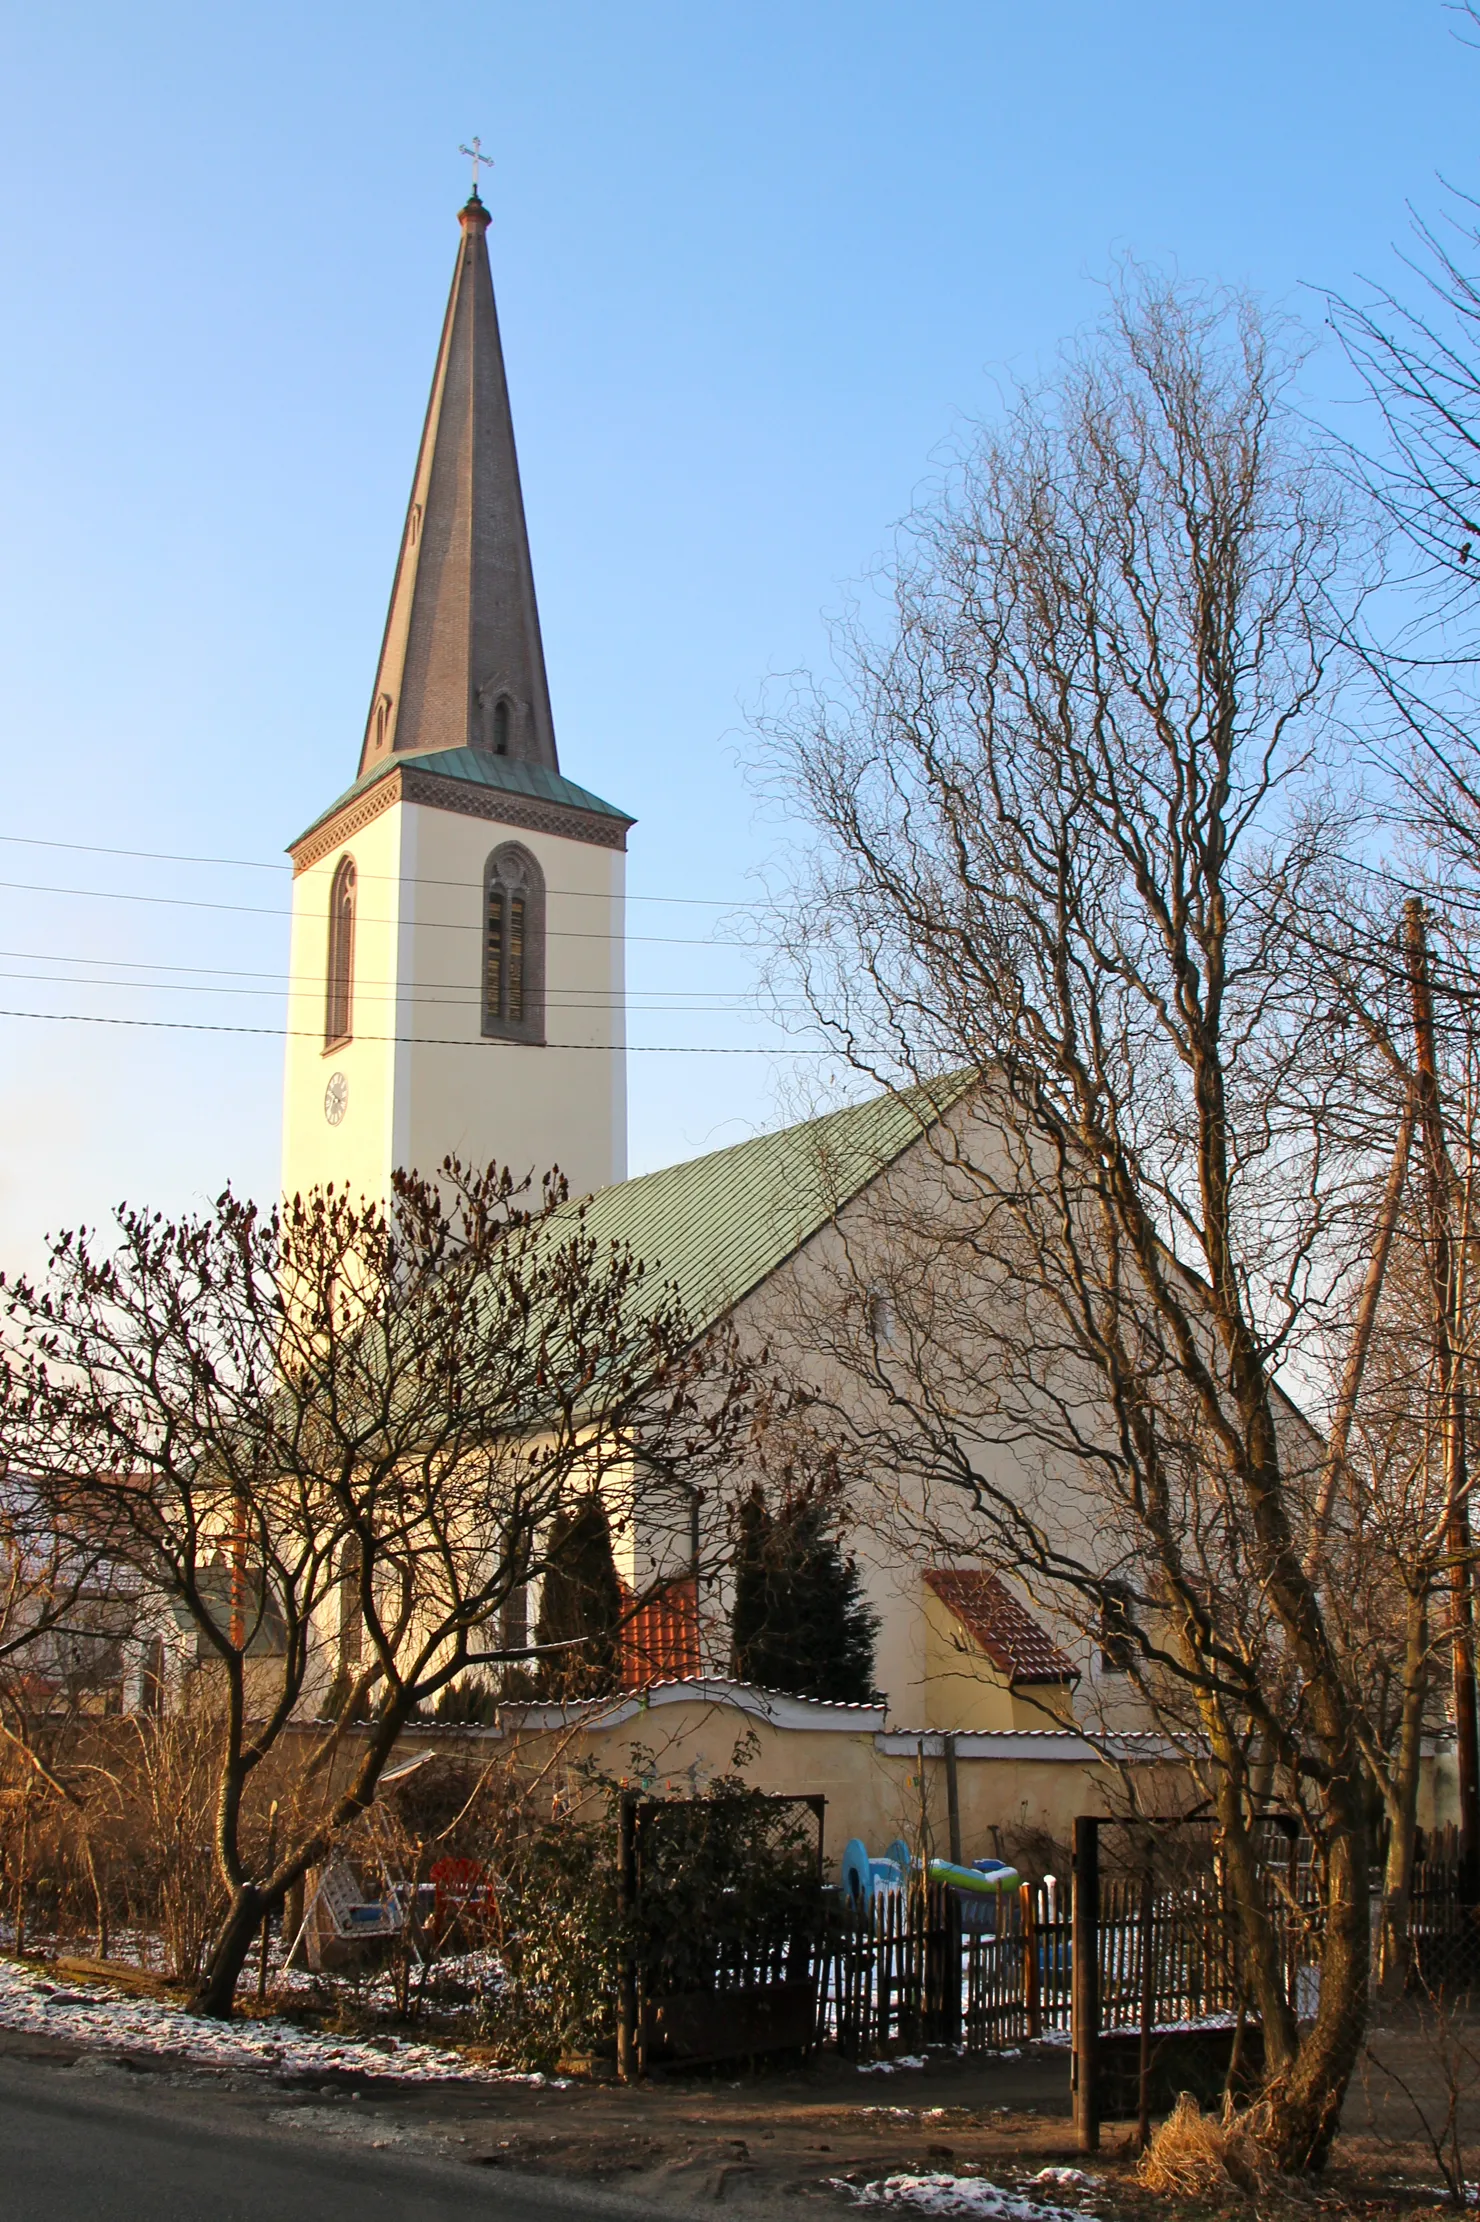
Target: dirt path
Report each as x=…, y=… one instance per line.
x=676, y=2142
x=754, y=2142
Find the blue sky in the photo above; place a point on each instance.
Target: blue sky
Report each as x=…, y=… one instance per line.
x=755, y=263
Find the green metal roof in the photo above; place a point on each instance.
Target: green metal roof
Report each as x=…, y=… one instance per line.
x=719, y=1225
x=476, y=767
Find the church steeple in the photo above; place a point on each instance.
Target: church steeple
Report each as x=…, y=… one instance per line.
x=462, y=665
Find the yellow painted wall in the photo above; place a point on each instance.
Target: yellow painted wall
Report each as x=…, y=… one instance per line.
x=876, y=1793
x=965, y=1691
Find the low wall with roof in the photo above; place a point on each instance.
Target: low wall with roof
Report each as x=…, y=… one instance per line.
x=880, y=1782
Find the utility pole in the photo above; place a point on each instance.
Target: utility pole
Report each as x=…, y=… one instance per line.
x=1446, y=1279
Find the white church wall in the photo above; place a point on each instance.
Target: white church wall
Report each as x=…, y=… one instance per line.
x=806, y=1314
x=357, y=1151
x=528, y=1106
x=422, y=1080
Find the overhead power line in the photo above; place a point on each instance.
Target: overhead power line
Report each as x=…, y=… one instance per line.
x=207, y=979
x=260, y=864
x=452, y=996
x=427, y=1041
x=437, y=925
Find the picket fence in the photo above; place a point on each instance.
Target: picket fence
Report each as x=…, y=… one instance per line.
x=924, y=1965
x=919, y=1966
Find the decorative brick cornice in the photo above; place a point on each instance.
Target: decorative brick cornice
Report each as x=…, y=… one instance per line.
x=409, y=783
x=420, y=785
x=345, y=824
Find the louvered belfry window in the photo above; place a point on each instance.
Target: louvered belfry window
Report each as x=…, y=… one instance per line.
x=513, y=946
x=339, y=985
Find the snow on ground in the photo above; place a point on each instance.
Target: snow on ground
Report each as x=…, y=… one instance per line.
x=95, y=2014
x=955, y=2195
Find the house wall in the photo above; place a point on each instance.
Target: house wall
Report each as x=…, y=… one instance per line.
x=804, y=1314
x=963, y=1690
x=888, y=1235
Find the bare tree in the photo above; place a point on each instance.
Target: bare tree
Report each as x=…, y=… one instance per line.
x=1389, y=1536
x=1416, y=348
x=335, y=1439
x=1073, y=808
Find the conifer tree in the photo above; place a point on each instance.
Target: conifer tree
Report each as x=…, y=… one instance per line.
x=799, y=1621
x=580, y=1604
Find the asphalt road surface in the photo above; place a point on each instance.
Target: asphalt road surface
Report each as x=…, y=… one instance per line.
x=71, y=2152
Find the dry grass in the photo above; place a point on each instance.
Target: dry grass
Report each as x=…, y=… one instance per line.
x=1194, y=2155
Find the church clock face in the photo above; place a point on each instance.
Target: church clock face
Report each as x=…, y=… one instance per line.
x=336, y=1098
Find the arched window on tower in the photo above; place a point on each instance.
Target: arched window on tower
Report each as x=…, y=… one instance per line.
x=339, y=982
x=513, y=946
x=501, y=727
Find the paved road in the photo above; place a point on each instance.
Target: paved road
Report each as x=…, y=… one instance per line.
x=70, y=2152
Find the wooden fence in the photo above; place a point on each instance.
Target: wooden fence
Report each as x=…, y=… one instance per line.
x=1446, y=1942
x=1135, y=1959
x=921, y=1966
x=925, y=1966
x=722, y=1902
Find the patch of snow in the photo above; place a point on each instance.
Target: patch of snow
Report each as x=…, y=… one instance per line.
x=941, y=2194
x=1127, y=2026
x=888, y=2067
x=96, y=2014
x=1062, y=2175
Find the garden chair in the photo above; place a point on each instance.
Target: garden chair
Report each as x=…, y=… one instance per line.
x=463, y=1890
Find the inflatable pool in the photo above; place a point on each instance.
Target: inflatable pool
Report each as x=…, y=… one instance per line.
x=983, y=1880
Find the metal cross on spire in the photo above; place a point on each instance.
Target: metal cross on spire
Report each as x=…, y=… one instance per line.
x=479, y=160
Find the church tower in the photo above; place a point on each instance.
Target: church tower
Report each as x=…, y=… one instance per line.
x=456, y=979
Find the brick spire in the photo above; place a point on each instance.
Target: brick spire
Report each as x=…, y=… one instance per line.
x=461, y=665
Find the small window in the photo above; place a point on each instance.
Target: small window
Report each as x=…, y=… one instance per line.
x=382, y=720
x=351, y=1616
x=493, y=719
x=154, y=1680
x=338, y=999
x=514, y=1631
x=514, y=946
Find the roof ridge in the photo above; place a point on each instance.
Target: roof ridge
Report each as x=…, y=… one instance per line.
x=715, y=1227
x=954, y=1088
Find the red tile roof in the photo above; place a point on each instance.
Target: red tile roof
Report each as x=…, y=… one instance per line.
x=993, y=1618
x=660, y=1635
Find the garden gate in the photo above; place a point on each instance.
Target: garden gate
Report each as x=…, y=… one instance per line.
x=723, y=1911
